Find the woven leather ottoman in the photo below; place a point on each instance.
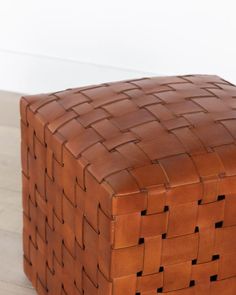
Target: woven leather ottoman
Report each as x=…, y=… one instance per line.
x=130, y=188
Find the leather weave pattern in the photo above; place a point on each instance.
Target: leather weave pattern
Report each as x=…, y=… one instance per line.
x=129, y=188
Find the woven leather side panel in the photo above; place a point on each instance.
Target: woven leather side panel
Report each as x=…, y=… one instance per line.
x=130, y=188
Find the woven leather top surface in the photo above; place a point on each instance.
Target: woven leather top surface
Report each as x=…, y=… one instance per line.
x=136, y=134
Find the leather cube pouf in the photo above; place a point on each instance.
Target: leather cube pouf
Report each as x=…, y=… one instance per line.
x=129, y=188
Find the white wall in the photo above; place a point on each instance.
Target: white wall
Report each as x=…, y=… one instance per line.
x=152, y=36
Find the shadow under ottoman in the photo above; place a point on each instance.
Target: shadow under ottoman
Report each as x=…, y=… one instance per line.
x=129, y=188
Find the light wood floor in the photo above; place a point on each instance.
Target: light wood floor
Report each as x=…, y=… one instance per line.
x=12, y=278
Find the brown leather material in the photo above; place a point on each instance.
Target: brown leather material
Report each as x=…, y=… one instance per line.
x=130, y=188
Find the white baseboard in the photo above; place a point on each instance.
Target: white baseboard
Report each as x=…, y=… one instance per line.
x=27, y=73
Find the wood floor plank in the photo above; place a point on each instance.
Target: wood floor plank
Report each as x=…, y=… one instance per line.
x=9, y=109
x=12, y=278
x=10, y=175
x=12, y=289
x=10, y=140
x=11, y=270
x=10, y=211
